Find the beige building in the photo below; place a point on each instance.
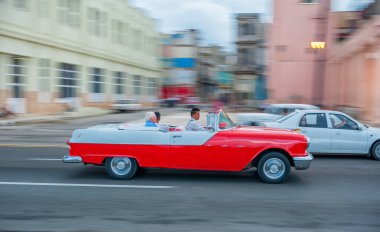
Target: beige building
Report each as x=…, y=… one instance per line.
x=353, y=68
x=56, y=54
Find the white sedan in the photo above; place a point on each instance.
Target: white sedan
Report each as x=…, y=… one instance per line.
x=126, y=105
x=332, y=132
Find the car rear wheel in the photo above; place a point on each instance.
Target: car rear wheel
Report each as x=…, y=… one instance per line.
x=273, y=168
x=121, y=168
x=376, y=151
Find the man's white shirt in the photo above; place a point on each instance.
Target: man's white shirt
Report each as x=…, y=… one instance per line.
x=193, y=125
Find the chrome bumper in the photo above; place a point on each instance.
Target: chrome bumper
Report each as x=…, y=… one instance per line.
x=72, y=159
x=302, y=163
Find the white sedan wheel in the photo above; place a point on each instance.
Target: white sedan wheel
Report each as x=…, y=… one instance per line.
x=376, y=151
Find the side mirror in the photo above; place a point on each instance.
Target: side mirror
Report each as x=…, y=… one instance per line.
x=222, y=125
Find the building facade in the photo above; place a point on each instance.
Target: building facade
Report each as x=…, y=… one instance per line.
x=353, y=67
x=62, y=54
x=250, y=58
x=210, y=59
x=179, y=59
x=296, y=70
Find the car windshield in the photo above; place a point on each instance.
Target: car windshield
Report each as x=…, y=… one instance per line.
x=272, y=110
x=225, y=119
x=283, y=119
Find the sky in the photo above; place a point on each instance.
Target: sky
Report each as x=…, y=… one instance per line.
x=214, y=18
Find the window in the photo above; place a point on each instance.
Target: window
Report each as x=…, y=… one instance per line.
x=68, y=75
x=20, y=4
x=242, y=56
x=137, y=40
x=224, y=121
x=44, y=74
x=118, y=34
x=247, y=29
x=119, y=82
x=17, y=74
x=96, y=22
x=316, y=120
x=43, y=8
x=68, y=13
x=97, y=80
x=137, y=85
x=339, y=121
x=152, y=85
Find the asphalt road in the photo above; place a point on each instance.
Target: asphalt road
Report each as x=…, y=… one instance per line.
x=40, y=193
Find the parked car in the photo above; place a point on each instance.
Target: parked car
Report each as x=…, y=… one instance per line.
x=126, y=105
x=170, y=102
x=122, y=149
x=332, y=132
x=271, y=113
x=191, y=102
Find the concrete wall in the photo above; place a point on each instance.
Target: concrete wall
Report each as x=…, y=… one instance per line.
x=36, y=31
x=353, y=72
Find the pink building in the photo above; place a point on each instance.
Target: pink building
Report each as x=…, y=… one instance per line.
x=353, y=67
x=296, y=71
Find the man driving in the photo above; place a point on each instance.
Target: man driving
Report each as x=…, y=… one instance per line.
x=193, y=125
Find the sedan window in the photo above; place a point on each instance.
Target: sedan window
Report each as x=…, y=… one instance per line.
x=339, y=121
x=316, y=120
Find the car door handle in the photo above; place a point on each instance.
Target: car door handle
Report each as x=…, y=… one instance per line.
x=240, y=146
x=224, y=145
x=177, y=136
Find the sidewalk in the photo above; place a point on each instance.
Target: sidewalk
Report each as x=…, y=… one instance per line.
x=31, y=118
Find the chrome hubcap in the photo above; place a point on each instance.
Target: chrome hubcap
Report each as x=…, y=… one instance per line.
x=121, y=166
x=274, y=168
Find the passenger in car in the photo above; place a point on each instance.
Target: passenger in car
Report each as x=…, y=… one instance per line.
x=162, y=127
x=193, y=125
x=150, y=119
x=158, y=116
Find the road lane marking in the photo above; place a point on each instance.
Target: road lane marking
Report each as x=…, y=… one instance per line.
x=33, y=146
x=45, y=159
x=87, y=185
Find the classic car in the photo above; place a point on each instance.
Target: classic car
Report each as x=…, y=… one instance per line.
x=271, y=113
x=124, y=148
x=332, y=132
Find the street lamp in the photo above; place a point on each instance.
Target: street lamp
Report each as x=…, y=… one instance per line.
x=317, y=45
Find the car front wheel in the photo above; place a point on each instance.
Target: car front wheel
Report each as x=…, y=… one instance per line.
x=121, y=168
x=273, y=168
x=376, y=151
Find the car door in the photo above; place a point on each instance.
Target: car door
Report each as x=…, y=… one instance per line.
x=199, y=150
x=314, y=126
x=347, y=137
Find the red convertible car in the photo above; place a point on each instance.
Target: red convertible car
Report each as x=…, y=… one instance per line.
x=123, y=148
